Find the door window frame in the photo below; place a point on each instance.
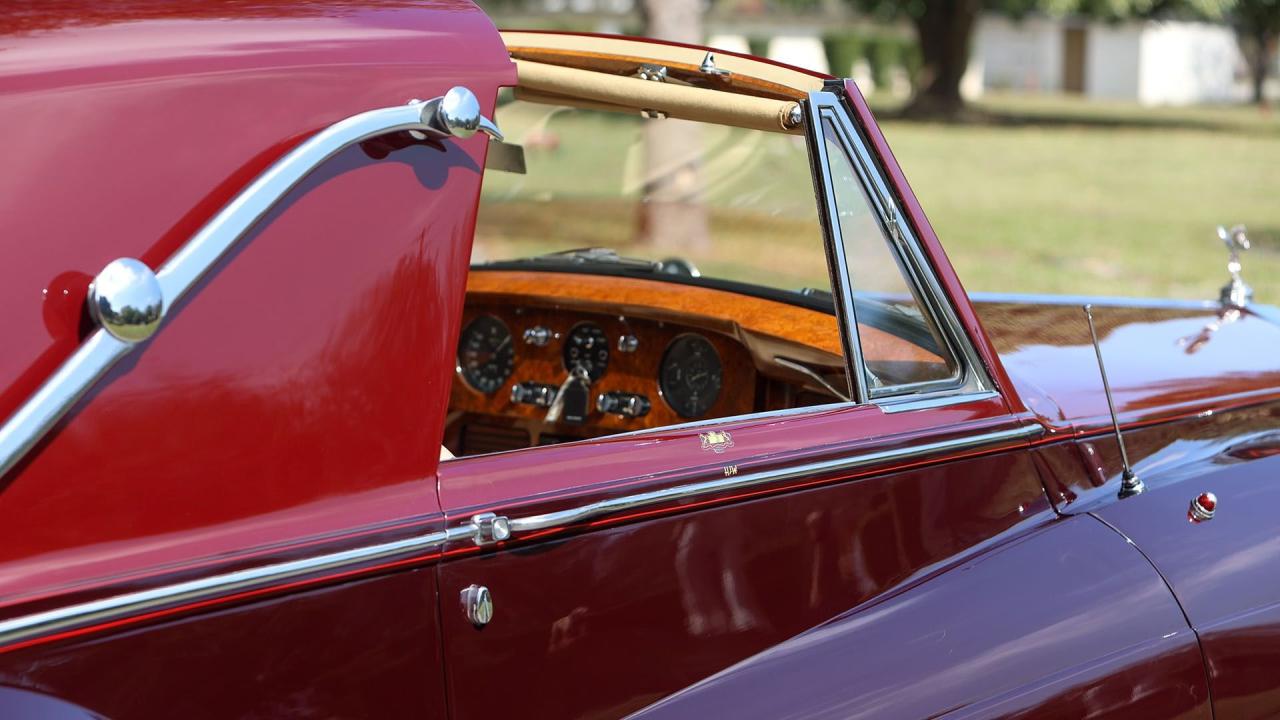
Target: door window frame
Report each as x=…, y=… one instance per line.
x=970, y=384
x=971, y=381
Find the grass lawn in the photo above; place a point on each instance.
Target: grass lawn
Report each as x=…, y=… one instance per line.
x=1065, y=196
x=1047, y=195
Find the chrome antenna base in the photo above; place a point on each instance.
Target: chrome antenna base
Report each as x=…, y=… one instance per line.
x=1131, y=484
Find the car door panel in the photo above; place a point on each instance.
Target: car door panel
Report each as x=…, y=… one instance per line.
x=265, y=441
x=360, y=649
x=1042, y=626
x=606, y=618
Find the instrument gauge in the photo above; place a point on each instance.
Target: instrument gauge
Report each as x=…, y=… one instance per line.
x=587, y=347
x=690, y=375
x=485, y=354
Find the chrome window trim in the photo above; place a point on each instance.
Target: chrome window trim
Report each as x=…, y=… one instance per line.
x=86, y=614
x=1095, y=300
x=971, y=382
x=906, y=403
x=837, y=263
x=893, y=399
x=180, y=273
x=562, y=518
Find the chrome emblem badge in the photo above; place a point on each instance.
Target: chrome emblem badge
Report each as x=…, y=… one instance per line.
x=717, y=441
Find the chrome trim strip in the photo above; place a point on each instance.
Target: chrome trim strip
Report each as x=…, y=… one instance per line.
x=838, y=264
x=75, y=616
x=189, y=264
x=905, y=244
x=680, y=492
x=979, y=298
x=904, y=403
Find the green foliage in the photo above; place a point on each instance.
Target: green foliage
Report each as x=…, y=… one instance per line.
x=884, y=53
x=758, y=46
x=1109, y=9
x=1256, y=16
x=842, y=51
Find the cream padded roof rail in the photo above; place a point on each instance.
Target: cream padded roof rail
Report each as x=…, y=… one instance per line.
x=540, y=82
x=782, y=81
x=606, y=64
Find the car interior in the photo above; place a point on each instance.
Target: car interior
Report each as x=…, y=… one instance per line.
x=650, y=251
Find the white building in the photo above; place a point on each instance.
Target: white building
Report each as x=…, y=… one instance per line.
x=1153, y=62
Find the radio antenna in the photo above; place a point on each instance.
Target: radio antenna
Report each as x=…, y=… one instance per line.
x=1130, y=483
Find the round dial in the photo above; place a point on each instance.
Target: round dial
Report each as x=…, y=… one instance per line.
x=485, y=354
x=587, y=347
x=690, y=376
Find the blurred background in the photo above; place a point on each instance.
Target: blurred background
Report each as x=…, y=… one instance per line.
x=1060, y=146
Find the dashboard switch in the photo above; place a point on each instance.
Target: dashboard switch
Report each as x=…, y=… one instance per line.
x=628, y=343
x=627, y=405
x=537, y=336
x=531, y=393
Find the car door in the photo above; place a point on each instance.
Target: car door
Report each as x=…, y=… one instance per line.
x=240, y=518
x=590, y=579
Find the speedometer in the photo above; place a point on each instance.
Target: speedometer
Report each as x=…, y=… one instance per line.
x=587, y=347
x=690, y=376
x=485, y=354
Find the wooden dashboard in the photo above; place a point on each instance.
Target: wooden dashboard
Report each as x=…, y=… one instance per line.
x=748, y=335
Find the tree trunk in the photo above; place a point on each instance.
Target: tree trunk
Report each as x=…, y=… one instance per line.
x=1262, y=45
x=945, y=30
x=673, y=216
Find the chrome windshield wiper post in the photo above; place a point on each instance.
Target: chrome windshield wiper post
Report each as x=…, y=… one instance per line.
x=599, y=255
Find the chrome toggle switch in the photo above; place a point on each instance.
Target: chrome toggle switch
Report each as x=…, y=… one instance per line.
x=531, y=393
x=538, y=336
x=627, y=405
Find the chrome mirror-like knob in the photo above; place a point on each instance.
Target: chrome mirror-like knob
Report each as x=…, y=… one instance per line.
x=126, y=300
x=477, y=605
x=538, y=336
x=457, y=113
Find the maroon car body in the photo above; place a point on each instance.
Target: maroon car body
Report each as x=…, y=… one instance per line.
x=247, y=516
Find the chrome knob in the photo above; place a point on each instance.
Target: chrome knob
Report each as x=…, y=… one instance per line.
x=1203, y=507
x=531, y=393
x=627, y=405
x=537, y=336
x=458, y=114
x=126, y=300
x=477, y=605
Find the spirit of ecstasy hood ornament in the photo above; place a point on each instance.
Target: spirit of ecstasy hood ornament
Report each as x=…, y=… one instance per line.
x=1235, y=293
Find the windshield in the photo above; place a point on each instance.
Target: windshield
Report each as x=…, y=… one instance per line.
x=667, y=197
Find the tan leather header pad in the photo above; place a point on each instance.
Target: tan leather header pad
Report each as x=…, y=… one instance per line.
x=555, y=83
x=794, y=82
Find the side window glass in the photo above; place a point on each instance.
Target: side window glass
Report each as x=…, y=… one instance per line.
x=885, y=300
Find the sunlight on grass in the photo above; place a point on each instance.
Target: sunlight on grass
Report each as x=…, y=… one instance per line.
x=1053, y=195
x=584, y=188
x=1099, y=199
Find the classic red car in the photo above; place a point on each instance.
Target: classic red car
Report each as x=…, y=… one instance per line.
x=363, y=361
